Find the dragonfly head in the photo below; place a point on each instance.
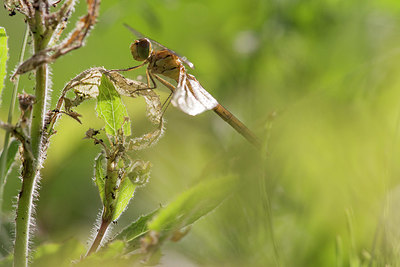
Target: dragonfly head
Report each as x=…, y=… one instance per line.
x=141, y=49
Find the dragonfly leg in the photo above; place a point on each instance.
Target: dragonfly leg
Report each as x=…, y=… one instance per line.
x=166, y=104
x=168, y=85
x=167, y=101
x=165, y=83
x=149, y=78
x=131, y=68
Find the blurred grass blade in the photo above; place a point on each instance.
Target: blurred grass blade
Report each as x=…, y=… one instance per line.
x=100, y=175
x=7, y=261
x=3, y=57
x=127, y=188
x=10, y=157
x=136, y=229
x=111, y=109
x=339, y=252
x=5, y=163
x=192, y=205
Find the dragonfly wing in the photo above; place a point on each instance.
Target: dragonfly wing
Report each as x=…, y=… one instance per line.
x=191, y=97
x=135, y=32
x=159, y=46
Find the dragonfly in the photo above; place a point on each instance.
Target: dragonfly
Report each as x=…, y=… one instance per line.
x=188, y=95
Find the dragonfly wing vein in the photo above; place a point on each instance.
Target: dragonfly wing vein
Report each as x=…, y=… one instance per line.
x=191, y=97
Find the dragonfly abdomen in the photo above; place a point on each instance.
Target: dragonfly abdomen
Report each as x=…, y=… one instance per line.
x=236, y=124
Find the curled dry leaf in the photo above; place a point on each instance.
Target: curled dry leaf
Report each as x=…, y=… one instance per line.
x=35, y=61
x=26, y=102
x=86, y=86
x=74, y=115
x=133, y=88
x=147, y=140
x=139, y=172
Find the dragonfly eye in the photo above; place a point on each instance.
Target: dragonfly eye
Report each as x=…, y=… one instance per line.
x=141, y=49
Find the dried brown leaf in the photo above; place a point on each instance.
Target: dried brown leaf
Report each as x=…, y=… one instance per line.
x=74, y=41
x=74, y=115
x=91, y=133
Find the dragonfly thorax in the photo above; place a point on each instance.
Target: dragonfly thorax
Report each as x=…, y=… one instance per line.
x=166, y=63
x=141, y=49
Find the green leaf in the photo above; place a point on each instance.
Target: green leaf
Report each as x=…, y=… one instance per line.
x=111, y=109
x=110, y=251
x=58, y=254
x=185, y=210
x=99, y=178
x=11, y=152
x=3, y=56
x=192, y=205
x=136, y=229
x=127, y=188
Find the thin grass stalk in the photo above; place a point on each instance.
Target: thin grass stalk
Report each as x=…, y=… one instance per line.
x=9, y=121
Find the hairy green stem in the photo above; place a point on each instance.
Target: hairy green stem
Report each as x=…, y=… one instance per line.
x=24, y=211
x=31, y=166
x=99, y=236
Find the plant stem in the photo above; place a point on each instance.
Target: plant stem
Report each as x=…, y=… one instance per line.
x=31, y=165
x=109, y=202
x=99, y=236
x=24, y=213
x=38, y=111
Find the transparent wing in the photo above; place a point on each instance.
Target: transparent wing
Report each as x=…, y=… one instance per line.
x=159, y=46
x=191, y=97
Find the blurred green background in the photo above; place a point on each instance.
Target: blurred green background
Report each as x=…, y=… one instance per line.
x=318, y=81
